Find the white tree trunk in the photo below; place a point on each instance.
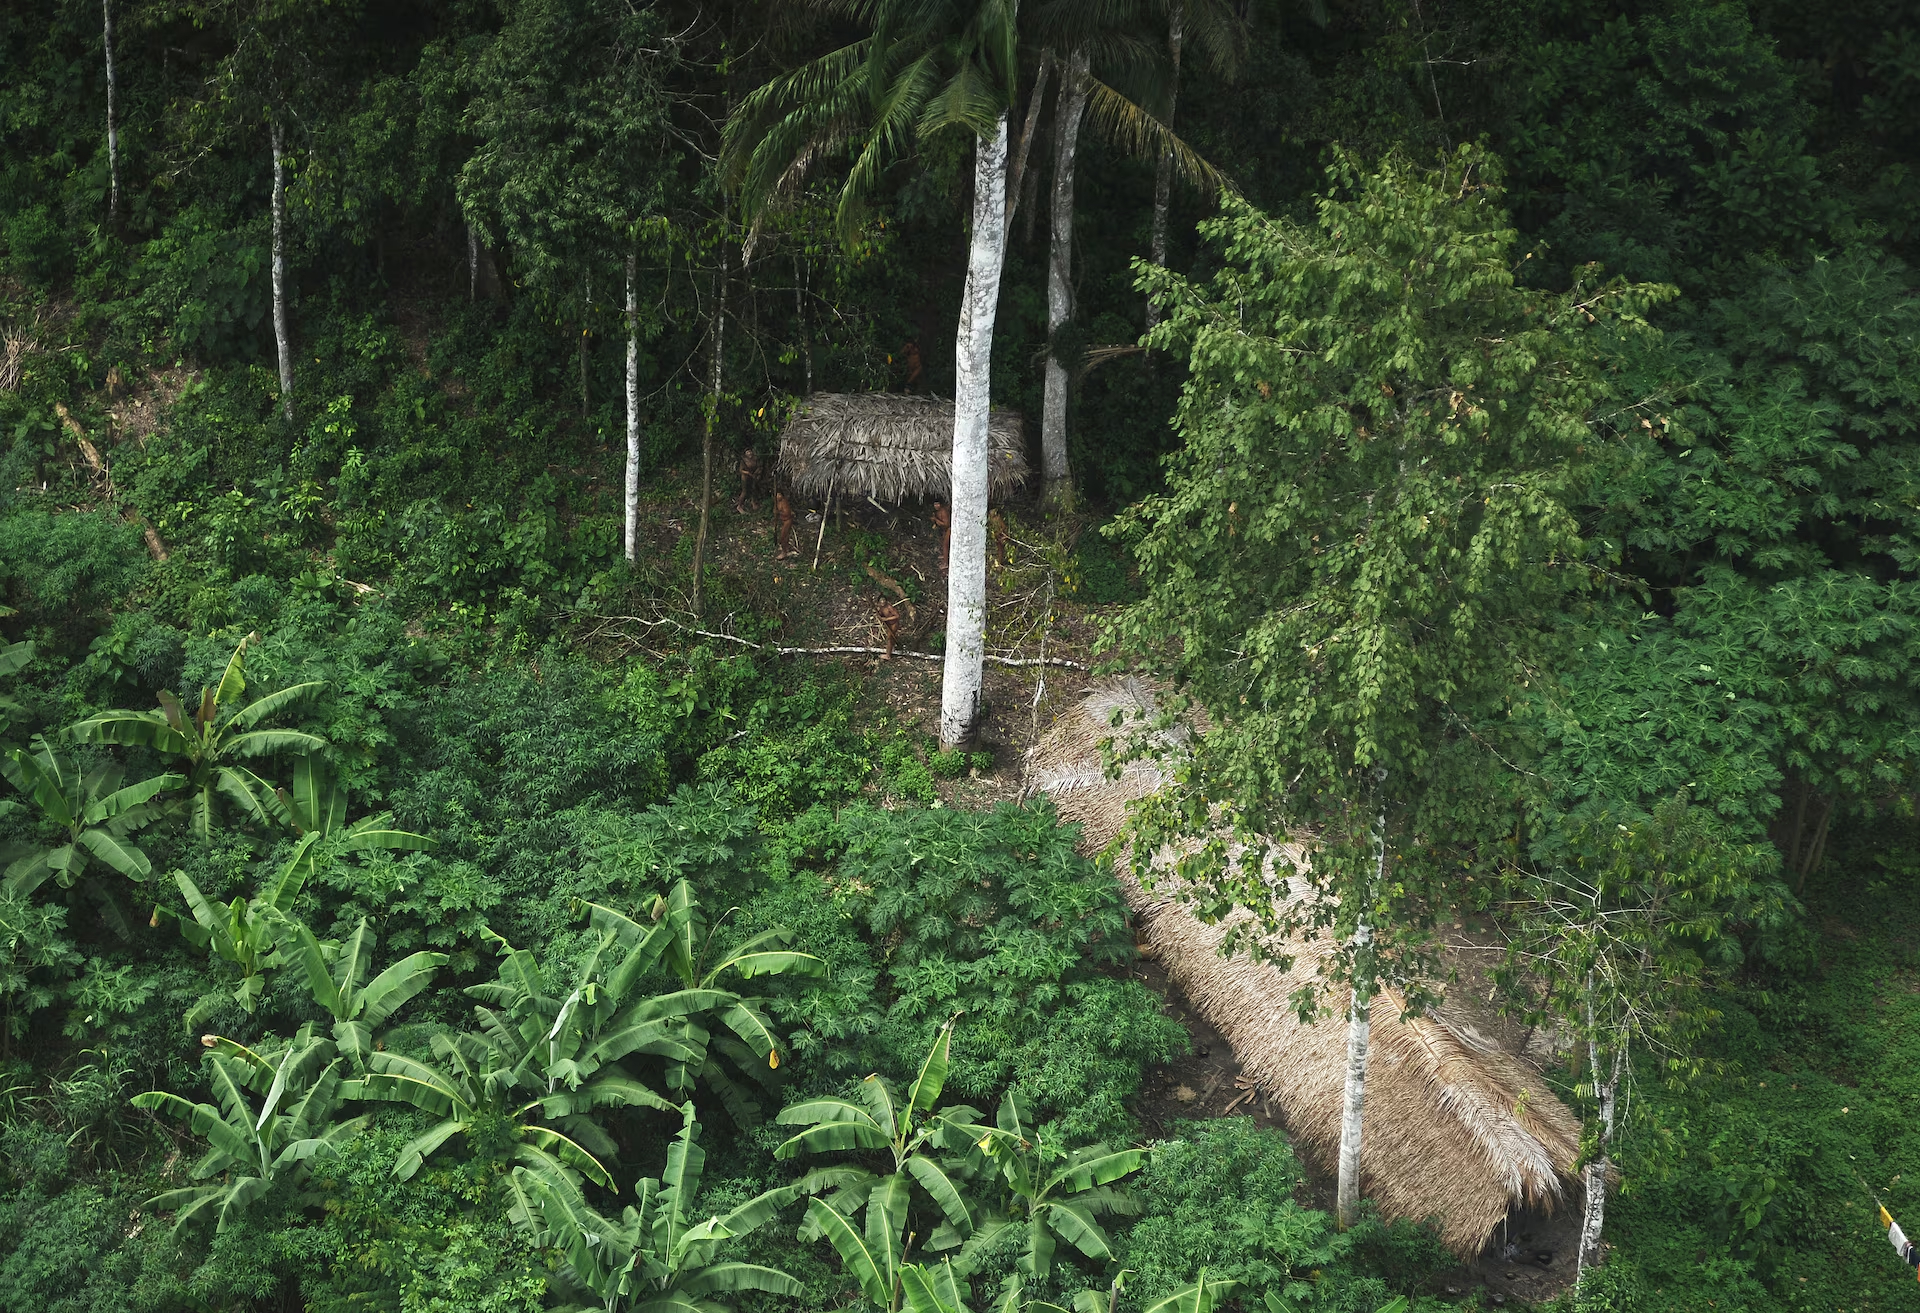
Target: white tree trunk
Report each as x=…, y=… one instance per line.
x=633, y=416
x=1163, y=178
x=1359, y=1035
x=586, y=327
x=1605, y=1089
x=973, y=363
x=282, y=339
x=1056, y=475
x=473, y=263
x=707, y=435
x=113, y=122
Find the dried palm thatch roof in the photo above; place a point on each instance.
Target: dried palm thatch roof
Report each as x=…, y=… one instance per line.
x=890, y=446
x=1456, y=1129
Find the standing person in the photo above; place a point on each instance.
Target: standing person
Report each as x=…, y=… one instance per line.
x=749, y=471
x=783, y=526
x=943, y=521
x=889, y=617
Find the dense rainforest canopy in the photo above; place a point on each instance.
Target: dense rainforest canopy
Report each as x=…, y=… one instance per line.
x=462, y=848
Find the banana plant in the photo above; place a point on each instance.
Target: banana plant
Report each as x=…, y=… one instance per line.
x=13, y=659
x=907, y=1128
x=337, y=975
x=1051, y=1195
x=659, y=1255
x=494, y=1083
x=1206, y=1294
x=727, y=1034
x=244, y=933
x=254, y=1148
x=1274, y=1303
x=94, y=813
x=212, y=740
x=534, y=1067
x=926, y=1289
x=248, y=932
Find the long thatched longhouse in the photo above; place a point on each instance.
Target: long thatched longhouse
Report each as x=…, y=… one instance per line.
x=1457, y=1130
x=890, y=446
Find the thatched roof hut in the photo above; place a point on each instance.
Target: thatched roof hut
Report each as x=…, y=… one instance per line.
x=1457, y=1130
x=890, y=446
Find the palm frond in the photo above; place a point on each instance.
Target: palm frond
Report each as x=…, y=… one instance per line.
x=1123, y=124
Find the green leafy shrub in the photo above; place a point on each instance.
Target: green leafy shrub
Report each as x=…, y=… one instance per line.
x=35, y=955
x=795, y=746
x=202, y=283
x=948, y=764
x=995, y=916
x=64, y=570
x=906, y=775
x=1219, y=1196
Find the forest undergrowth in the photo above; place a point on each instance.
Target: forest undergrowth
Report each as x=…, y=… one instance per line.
x=556, y=756
x=424, y=890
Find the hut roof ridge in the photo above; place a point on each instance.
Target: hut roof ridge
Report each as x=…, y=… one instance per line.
x=1458, y=1129
x=890, y=446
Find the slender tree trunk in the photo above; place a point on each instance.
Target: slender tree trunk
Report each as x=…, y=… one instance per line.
x=586, y=326
x=633, y=414
x=1056, y=474
x=282, y=339
x=113, y=121
x=1605, y=1089
x=707, y=434
x=1163, y=178
x=1017, y=165
x=1029, y=191
x=1817, y=847
x=800, y=313
x=473, y=263
x=1353, y=1107
x=973, y=362
x=1359, y=1037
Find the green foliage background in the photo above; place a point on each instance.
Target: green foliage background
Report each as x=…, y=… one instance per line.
x=428, y=533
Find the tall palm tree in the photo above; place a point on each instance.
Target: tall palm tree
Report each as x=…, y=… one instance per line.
x=927, y=66
x=930, y=65
x=1106, y=37
x=1217, y=32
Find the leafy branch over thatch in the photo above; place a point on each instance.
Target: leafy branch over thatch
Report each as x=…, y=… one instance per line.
x=1458, y=1130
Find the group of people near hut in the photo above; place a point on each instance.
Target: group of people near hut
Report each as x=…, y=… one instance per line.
x=883, y=447
x=886, y=611
x=746, y=499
